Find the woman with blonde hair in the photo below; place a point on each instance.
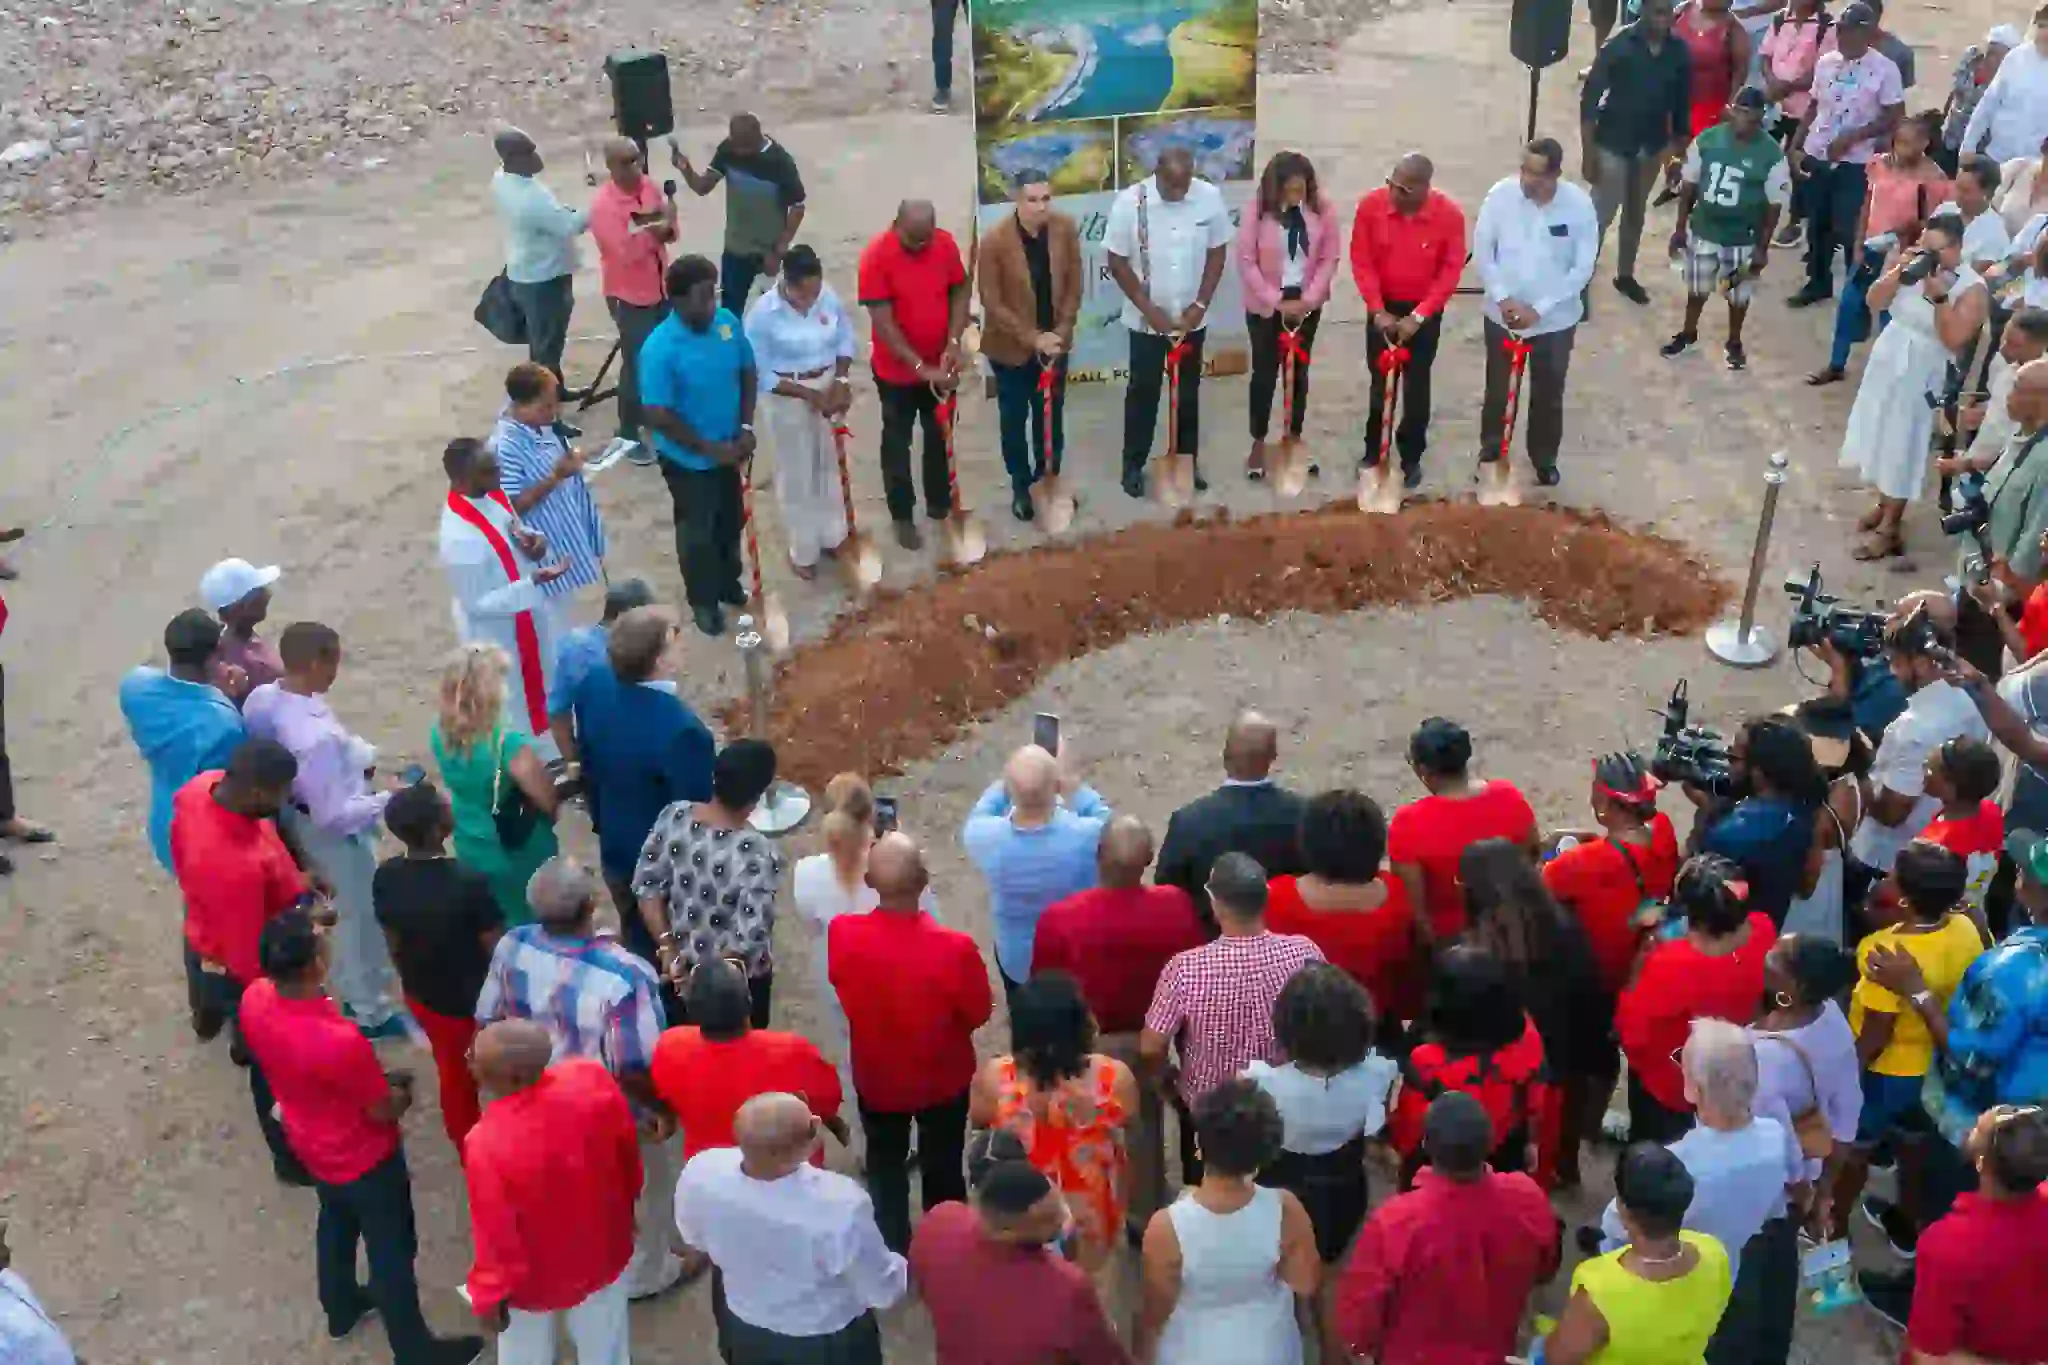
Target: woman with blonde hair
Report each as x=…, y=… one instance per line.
x=503, y=798
x=833, y=883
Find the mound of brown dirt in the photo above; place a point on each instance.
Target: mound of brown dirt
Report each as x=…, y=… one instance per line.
x=898, y=679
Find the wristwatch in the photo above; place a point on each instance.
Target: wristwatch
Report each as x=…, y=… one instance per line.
x=1924, y=999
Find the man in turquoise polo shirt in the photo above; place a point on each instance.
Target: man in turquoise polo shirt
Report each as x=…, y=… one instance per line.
x=697, y=385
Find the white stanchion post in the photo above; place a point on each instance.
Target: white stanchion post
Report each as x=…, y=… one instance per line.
x=1741, y=642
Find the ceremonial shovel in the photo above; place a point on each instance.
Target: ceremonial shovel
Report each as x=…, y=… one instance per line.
x=1049, y=495
x=966, y=538
x=1173, y=474
x=1379, y=487
x=1290, y=469
x=774, y=620
x=1497, y=486
x=858, y=559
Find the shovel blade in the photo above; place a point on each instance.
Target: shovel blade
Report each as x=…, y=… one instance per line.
x=966, y=537
x=1497, y=486
x=774, y=623
x=1289, y=474
x=1379, y=490
x=860, y=561
x=1173, y=480
x=1054, y=504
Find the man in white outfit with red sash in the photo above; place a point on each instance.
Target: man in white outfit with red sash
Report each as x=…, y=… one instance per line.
x=496, y=571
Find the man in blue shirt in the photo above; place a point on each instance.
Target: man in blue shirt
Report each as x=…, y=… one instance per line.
x=581, y=651
x=183, y=723
x=1033, y=847
x=1769, y=831
x=697, y=385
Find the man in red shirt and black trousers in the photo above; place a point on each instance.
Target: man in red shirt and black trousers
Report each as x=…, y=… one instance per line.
x=914, y=287
x=236, y=875
x=1115, y=939
x=914, y=992
x=1442, y=1275
x=554, y=1172
x=1407, y=251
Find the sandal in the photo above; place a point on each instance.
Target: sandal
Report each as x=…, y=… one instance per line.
x=1826, y=375
x=1871, y=520
x=1879, y=545
x=26, y=832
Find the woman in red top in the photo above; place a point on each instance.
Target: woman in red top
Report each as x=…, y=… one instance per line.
x=1427, y=837
x=1963, y=774
x=1608, y=875
x=1716, y=971
x=1719, y=48
x=1357, y=913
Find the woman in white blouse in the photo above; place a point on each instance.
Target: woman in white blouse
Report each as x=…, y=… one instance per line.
x=2023, y=190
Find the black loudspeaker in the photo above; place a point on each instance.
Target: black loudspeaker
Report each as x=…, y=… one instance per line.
x=640, y=99
x=1540, y=32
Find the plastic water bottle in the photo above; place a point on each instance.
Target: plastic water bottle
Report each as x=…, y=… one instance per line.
x=1827, y=1275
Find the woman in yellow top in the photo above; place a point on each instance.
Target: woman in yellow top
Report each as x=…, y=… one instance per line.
x=1892, y=1041
x=1658, y=1299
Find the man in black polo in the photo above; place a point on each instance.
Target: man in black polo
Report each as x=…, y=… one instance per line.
x=1634, y=109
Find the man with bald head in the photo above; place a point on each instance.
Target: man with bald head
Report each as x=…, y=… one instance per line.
x=1115, y=939
x=2016, y=489
x=632, y=225
x=914, y=286
x=1033, y=836
x=1249, y=813
x=1407, y=251
x=801, y=1264
x=764, y=205
x=1167, y=238
x=540, y=247
x=912, y=1049
x=554, y=1170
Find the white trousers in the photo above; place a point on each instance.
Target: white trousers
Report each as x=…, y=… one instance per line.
x=654, y=1266
x=597, y=1326
x=806, y=474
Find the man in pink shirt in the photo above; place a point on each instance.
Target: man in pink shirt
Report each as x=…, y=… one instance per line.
x=632, y=223
x=1858, y=99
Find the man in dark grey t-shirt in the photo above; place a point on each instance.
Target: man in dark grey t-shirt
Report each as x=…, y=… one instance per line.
x=764, y=205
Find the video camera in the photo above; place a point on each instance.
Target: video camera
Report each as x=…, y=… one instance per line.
x=1692, y=753
x=1818, y=617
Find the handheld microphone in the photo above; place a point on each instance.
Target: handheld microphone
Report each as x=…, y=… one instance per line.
x=668, y=189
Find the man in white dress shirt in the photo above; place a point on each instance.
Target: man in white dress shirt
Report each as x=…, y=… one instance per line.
x=540, y=247
x=1167, y=238
x=803, y=352
x=2012, y=119
x=496, y=573
x=1535, y=246
x=801, y=1266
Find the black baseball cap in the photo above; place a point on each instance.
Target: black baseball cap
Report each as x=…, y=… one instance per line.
x=1857, y=15
x=1749, y=97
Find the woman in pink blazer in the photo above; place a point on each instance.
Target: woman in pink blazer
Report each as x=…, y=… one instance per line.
x=1287, y=253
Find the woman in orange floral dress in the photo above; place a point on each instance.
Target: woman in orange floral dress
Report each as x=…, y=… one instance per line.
x=1069, y=1104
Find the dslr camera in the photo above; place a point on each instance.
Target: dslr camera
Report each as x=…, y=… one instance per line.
x=1692, y=753
x=1820, y=618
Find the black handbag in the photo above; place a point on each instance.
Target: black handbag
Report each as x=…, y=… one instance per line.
x=514, y=815
x=499, y=313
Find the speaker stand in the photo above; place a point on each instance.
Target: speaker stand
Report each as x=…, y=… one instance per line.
x=1535, y=81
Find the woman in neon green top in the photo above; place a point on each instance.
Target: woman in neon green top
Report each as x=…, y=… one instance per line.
x=1658, y=1299
x=487, y=767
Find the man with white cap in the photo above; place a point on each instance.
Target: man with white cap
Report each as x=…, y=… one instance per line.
x=239, y=594
x=2011, y=120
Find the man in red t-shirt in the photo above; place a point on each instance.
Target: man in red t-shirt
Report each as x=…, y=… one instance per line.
x=340, y=1111
x=1115, y=939
x=1426, y=838
x=1980, y=1288
x=914, y=992
x=554, y=1172
x=914, y=287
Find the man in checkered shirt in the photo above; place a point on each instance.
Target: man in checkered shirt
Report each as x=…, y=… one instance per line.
x=597, y=1001
x=1214, y=1004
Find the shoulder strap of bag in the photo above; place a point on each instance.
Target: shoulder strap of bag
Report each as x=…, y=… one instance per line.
x=1812, y=1080
x=1634, y=870
x=497, y=769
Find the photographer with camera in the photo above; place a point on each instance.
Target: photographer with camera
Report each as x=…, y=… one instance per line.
x=1987, y=418
x=1851, y=643
x=1761, y=818
x=2005, y=518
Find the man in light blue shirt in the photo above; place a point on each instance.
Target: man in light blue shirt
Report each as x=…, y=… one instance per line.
x=1033, y=847
x=540, y=247
x=580, y=652
x=183, y=724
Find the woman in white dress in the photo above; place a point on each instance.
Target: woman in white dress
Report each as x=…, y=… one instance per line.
x=1224, y=1265
x=1892, y=423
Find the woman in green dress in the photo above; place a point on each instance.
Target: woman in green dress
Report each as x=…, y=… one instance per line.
x=503, y=798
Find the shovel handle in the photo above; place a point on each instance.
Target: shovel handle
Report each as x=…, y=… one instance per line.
x=747, y=521
x=948, y=408
x=841, y=433
x=1048, y=382
x=1518, y=361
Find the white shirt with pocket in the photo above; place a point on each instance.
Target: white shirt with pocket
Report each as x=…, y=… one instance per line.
x=1170, y=253
x=1539, y=254
x=1322, y=1113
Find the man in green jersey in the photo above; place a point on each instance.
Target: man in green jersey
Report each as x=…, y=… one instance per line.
x=1735, y=185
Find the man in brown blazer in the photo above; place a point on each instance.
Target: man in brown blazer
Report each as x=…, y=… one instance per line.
x=1030, y=299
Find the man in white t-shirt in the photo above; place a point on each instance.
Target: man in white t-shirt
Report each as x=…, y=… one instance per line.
x=1167, y=239
x=1936, y=712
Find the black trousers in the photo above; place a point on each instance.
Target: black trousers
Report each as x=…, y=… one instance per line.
x=1265, y=335
x=942, y=1162
x=636, y=322
x=1411, y=432
x=707, y=516
x=1550, y=360
x=1831, y=196
x=1020, y=408
x=742, y=1343
x=215, y=998
x=1756, y=1327
x=1649, y=1120
x=736, y=276
x=944, y=13
x=547, y=306
x=1141, y=397
x=905, y=406
x=375, y=1211
x=6, y=768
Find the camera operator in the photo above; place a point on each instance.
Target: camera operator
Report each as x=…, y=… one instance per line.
x=2013, y=514
x=1988, y=419
x=1917, y=643
x=1768, y=828
x=1866, y=685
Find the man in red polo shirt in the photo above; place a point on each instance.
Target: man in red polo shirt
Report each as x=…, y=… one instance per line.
x=1407, y=251
x=236, y=875
x=914, y=992
x=1115, y=939
x=554, y=1172
x=914, y=287
x=1980, y=1289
